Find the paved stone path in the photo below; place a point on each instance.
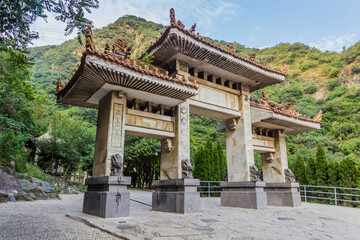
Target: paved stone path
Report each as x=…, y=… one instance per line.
x=46, y=220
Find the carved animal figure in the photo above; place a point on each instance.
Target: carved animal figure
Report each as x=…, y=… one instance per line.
x=192, y=29
x=252, y=57
x=286, y=106
x=172, y=17
x=89, y=42
x=318, y=117
x=231, y=48
x=289, y=175
x=116, y=165
x=265, y=96
x=255, y=175
x=107, y=49
x=187, y=169
x=59, y=85
x=119, y=46
x=180, y=24
x=128, y=52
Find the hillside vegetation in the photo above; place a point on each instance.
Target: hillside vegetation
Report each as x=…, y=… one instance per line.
x=327, y=81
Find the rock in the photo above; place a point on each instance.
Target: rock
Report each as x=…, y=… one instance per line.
x=27, y=185
x=3, y=193
x=44, y=186
x=32, y=196
x=12, y=198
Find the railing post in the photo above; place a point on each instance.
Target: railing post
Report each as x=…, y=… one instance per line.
x=209, y=189
x=305, y=193
x=335, y=196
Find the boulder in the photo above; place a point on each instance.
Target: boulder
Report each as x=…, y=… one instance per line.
x=27, y=185
x=44, y=186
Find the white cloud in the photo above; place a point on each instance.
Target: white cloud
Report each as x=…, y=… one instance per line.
x=335, y=43
x=208, y=16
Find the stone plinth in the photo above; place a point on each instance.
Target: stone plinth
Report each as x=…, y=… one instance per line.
x=243, y=195
x=283, y=194
x=107, y=196
x=176, y=195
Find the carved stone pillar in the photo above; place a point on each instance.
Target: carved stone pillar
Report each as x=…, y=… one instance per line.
x=173, y=193
x=273, y=171
x=281, y=188
x=107, y=196
x=244, y=188
x=170, y=165
x=239, y=144
x=110, y=132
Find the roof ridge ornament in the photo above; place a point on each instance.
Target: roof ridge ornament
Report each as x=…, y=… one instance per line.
x=59, y=85
x=172, y=17
x=192, y=29
x=120, y=48
x=89, y=40
x=283, y=70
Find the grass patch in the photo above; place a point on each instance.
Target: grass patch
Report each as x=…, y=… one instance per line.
x=17, y=197
x=58, y=197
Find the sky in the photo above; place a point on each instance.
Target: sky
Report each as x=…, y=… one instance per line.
x=328, y=25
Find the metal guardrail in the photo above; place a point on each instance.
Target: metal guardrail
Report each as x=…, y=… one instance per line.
x=336, y=194
x=209, y=187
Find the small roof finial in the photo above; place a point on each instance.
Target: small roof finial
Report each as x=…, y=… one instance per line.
x=192, y=29
x=59, y=85
x=283, y=70
x=318, y=117
x=89, y=44
x=172, y=17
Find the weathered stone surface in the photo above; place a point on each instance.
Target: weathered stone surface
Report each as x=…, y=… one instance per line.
x=176, y=195
x=244, y=195
x=27, y=185
x=283, y=194
x=107, y=196
x=44, y=186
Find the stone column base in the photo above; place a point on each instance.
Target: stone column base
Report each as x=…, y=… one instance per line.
x=243, y=195
x=107, y=196
x=283, y=194
x=176, y=195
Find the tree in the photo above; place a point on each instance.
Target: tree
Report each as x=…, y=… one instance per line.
x=17, y=16
x=333, y=173
x=71, y=144
x=310, y=171
x=299, y=170
x=321, y=166
x=201, y=164
x=210, y=159
x=348, y=172
x=222, y=160
x=142, y=160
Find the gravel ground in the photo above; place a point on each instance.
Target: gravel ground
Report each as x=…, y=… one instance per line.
x=45, y=219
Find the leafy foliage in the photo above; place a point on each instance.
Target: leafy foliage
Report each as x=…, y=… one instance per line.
x=17, y=16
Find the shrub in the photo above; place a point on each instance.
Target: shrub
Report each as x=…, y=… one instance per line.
x=333, y=83
x=334, y=73
x=355, y=69
x=310, y=90
x=305, y=66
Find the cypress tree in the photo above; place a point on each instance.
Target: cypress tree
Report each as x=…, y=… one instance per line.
x=216, y=165
x=299, y=170
x=321, y=166
x=222, y=160
x=348, y=172
x=211, y=172
x=200, y=170
x=310, y=172
x=333, y=173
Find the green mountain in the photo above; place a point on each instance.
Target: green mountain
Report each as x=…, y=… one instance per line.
x=316, y=80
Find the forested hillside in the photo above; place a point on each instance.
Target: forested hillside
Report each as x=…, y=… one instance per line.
x=327, y=81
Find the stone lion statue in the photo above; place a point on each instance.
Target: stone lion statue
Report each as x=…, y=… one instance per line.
x=289, y=175
x=116, y=165
x=255, y=175
x=186, y=169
